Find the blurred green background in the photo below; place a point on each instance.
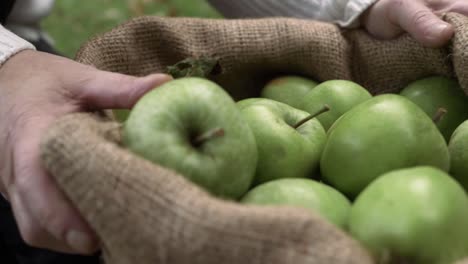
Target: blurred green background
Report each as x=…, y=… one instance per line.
x=72, y=22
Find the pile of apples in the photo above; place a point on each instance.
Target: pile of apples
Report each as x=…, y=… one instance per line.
x=390, y=169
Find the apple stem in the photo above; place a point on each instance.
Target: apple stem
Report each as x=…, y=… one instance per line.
x=441, y=112
x=324, y=109
x=214, y=133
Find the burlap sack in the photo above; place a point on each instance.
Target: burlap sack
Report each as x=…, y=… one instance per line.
x=148, y=214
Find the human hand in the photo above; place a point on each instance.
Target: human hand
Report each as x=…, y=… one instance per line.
x=36, y=89
x=387, y=19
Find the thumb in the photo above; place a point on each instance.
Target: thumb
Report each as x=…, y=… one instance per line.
x=107, y=90
x=421, y=23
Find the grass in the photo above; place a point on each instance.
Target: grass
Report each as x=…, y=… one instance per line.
x=73, y=22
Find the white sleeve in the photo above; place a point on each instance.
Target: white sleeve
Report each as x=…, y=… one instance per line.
x=10, y=44
x=344, y=13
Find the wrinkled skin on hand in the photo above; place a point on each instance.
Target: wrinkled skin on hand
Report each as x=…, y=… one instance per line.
x=36, y=89
x=422, y=19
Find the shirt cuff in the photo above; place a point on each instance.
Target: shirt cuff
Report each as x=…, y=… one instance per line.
x=11, y=44
x=353, y=11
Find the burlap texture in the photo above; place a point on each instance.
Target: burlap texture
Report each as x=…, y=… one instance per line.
x=253, y=51
x=147, y=214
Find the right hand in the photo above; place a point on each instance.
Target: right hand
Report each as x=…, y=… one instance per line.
x=36, y=89
x=387, y=19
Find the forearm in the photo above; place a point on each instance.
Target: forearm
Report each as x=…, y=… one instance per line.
x=342, y=12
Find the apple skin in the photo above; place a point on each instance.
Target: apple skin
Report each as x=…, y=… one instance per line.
x=458, y=148
x=288, y=89
x=435, y=92
x=164, y=122
x=340, y=95
x=247, y=102
x=385, y=133
x=419, y=215
x=284, y=152
x=312, y=195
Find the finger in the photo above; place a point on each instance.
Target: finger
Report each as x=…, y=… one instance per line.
x=56, y=225
x=32, y=233
x=420, y=22
x=107, y=90
x=460, y=7
x=377, y=23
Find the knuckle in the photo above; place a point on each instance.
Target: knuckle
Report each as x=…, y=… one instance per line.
x=126, y=89
x=420, y=17
x=123, y=82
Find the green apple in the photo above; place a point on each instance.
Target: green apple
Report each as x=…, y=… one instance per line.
x=315, y=196
x=340, y=95
x=193, y=126
x=288, y=89
x=288, y=147
x=247, y=102
x=458, y=148
x=382, y=134
x=417, y=215
x=440, y=92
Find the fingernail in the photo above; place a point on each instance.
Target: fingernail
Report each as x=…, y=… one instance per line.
x=440, y=28
x=80, y=241
x=159, y=75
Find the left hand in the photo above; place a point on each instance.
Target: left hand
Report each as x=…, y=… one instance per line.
x=387, y=19
x=35, y=90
